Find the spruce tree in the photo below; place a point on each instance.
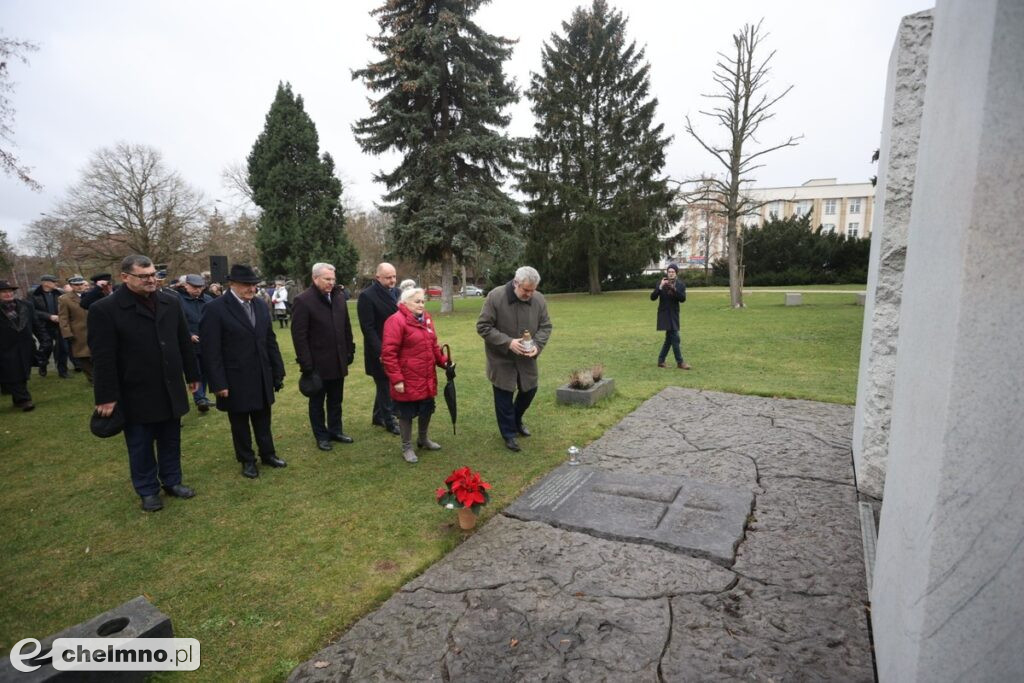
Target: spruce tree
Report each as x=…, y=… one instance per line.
x=598, y=205
x=442, y=92
x=302, y=220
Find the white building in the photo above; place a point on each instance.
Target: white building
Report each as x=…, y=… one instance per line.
x=837, y=207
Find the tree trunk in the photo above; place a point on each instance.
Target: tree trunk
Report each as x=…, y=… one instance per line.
x=735, y=286
x=462, y=267
x=593, y=276
x=447, y=270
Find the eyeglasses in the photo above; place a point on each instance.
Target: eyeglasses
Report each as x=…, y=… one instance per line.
x=143, y=276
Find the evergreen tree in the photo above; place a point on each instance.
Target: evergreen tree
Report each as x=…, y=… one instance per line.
x=443, y=91
x=302, y=220
x=597, y=204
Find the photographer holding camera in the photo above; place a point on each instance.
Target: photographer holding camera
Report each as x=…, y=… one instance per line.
x=669, y=293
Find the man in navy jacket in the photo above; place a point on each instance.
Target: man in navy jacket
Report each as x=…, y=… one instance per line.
x=669, y=293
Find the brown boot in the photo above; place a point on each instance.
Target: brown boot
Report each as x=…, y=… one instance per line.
x=661, y=365
x=683, y=366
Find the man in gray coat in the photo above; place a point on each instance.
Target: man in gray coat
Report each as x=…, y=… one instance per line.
x=512, y=317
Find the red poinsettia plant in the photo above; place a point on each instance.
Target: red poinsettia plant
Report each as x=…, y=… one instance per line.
x=463, y=489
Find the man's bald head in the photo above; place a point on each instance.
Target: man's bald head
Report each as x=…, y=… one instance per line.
x=386, y=275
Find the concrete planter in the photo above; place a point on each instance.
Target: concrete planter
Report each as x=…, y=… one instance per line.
x=585, y=397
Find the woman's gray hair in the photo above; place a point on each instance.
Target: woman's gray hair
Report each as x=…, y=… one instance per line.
x=410, y=293
x=407, y=284
x=527, y=275
x=318, y=268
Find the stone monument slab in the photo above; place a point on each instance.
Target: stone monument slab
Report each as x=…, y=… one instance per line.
x=699, y=518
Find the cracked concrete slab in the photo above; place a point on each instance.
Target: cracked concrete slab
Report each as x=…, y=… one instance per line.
x=525, y=600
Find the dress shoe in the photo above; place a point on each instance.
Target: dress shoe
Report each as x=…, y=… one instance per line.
x=388, y=426
x=273, y=461
x=512, y=444
x=341, y=438
x=324, y=445
x=179, y=491
x=203, y=406
x=63, y=375
x=393, y=428
x=249, y=470
x=523, y=431
x=661, y=364
x=683, y=366
x=42, y=373
x=26, y=406
x=152, y=503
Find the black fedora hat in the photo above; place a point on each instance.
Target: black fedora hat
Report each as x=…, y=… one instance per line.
x=243, y=274
x=4, y=284
x=106, y=427
x=310, y=383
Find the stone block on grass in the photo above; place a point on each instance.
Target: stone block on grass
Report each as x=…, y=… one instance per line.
x=585, y=397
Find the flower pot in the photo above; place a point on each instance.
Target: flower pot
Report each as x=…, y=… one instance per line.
x=585, y=397
x=467, y=518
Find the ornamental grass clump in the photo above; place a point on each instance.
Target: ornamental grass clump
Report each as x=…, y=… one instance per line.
x=463, y=489
x=584, y=378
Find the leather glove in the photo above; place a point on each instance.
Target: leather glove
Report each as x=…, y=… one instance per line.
x=350, y=359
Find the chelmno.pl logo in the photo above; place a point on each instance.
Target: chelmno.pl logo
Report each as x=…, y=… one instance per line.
x=108, y=654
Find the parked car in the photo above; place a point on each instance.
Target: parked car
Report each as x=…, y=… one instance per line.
x=433, y=291
x=472, y=290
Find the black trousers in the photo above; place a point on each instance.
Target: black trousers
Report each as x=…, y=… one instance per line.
x=509, y=410
x=332, y=394
x=58, y=348
x=240, y=437
x=17, y=390
x=150, y=468
x=383, y=406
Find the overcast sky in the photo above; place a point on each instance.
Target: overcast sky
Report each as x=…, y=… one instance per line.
x=195, y=78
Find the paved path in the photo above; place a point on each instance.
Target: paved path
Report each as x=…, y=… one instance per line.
x=526, y=600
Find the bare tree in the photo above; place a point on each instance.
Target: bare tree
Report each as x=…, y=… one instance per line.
x=235, y=179
x=127, y=201
x=744, y=108
x=11, y=49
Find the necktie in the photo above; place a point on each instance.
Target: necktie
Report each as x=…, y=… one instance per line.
x=252, y=313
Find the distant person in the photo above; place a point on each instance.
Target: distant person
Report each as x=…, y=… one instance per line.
x=279, y=300
x=101, y=287
x=141, y=352
x=669, y=293
x=508, y=314
x=410, y=357
x=45, y=299
x=18, y=323
x=242, y=363
x=215, y=289
x=74, y=325
x=322, y=335
x=376, y=304
x=193, y=302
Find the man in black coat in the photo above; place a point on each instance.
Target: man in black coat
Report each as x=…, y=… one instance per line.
x=18, y=322
x=44, y=297
x=375, y=305
x=322, y=333
x=242, y=365
x=669, y=293
x=193, y=301
x=101, y=287
x=141, y=352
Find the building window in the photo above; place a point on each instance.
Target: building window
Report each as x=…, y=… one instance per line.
x=853, y=230
x=774, y=209
x=855, y=205
x=801, y=208
x=830, y=208
x=828, y=229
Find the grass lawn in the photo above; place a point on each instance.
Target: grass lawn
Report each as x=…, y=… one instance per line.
x=265, y=572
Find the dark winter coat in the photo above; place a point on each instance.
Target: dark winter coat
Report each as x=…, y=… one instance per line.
x=238, y=357
x=322, y=333
x=17, y=348
x=502, y=319
x=46, y=304
x=376, y=304
x=410, y=354
x=193, y=309
x=141, y=360
x=668, y=299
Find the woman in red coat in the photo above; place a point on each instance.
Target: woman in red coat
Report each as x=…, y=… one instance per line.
x=410, y=356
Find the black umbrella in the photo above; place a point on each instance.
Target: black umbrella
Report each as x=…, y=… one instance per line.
x=449, y=387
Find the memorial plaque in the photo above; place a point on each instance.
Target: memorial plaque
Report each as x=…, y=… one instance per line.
x=696, y=517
